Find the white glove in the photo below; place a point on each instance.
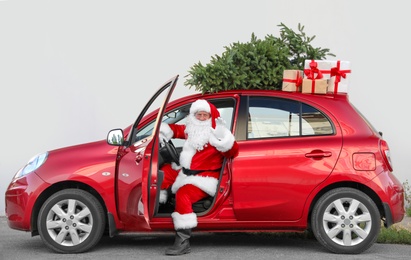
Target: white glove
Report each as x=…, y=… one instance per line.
x=162, y=138
x=165, y=133
x=220, y=128
x=221, y=138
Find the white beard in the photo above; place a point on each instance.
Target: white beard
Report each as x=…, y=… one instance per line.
x=198, y=133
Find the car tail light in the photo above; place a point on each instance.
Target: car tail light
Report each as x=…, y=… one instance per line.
x=385, y=150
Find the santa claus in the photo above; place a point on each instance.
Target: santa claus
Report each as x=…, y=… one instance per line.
x=208, y=142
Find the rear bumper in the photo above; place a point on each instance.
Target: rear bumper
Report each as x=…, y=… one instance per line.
x=393, y=202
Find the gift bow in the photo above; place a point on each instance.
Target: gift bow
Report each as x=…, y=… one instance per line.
x=313, y=72
x=335, y=71
x=298, y=80
x=338, y=73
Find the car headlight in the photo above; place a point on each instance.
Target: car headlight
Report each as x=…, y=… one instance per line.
x=32, y=165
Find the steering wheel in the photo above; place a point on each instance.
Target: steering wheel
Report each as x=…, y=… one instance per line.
x=169, y=152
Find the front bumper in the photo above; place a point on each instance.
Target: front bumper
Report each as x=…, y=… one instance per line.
x=20, y=198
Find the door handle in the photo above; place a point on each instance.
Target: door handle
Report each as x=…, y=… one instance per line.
x=318, y=154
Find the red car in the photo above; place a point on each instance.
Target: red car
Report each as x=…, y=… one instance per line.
x=306, y=162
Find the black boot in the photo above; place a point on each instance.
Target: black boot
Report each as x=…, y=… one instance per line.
x=181, y=244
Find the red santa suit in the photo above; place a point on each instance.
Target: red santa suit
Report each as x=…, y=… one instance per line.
x=208, y=143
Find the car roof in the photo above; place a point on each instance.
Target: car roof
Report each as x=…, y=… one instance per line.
x=325, y=100
x=337, y=105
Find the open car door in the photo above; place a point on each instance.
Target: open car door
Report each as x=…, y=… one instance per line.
x=137, y=173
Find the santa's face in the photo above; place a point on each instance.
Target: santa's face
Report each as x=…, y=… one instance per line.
x=202, y=115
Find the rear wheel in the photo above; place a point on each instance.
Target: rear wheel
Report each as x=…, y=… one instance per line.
x=71, y=221
x=346, y=221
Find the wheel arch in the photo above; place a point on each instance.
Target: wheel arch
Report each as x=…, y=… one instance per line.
x=355, y=185
x=58, y=187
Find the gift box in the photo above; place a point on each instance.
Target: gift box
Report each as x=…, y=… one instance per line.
x=292, y=80
x=336, y=71
x=339, y=80
x=314, y=86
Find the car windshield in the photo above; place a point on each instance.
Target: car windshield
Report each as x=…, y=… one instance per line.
x=157, y=100
x=170, y=118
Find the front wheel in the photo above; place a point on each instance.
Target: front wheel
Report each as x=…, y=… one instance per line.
x=346, y=221
x=71, y=221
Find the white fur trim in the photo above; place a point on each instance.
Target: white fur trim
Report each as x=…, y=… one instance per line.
x=206, y=184
x=175, y=167
x=184, y=221
x=200, y=105
x=186, y=155
x=223, y=144
x=166, y=130
x=163, y=196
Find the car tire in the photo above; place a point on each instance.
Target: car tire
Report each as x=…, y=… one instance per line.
x=346, y=221
x=71, y=221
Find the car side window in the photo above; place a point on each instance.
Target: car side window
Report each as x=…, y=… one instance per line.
x=178, y=116
x=314, y=122
x=226, y=110
x=276, y=117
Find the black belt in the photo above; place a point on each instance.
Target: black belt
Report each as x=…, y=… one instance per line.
x=189, y=172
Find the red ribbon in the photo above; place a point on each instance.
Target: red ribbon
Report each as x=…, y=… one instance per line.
x=313, y=86
x=298, y=80
x=338, y=74
x=313, y=72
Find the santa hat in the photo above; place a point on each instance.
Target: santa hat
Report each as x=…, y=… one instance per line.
x=204, y=105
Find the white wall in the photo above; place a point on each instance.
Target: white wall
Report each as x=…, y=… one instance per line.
x=72, y=70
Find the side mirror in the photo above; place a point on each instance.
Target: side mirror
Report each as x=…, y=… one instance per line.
x=115, y=137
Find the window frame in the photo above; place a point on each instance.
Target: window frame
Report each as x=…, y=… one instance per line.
x=242, y=120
